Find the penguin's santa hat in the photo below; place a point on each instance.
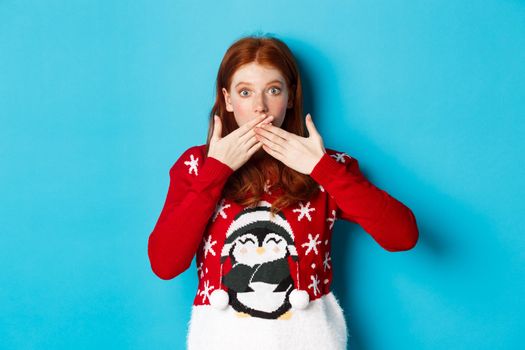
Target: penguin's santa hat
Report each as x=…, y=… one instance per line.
x=260, y=216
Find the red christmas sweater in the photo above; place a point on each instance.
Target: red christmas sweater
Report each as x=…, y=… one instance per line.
x=264, y=266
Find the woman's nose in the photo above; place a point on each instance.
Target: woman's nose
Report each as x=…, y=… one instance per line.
x=260, y=104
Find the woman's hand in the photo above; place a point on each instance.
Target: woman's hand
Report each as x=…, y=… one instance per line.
x=237, y=147
x=297, y=152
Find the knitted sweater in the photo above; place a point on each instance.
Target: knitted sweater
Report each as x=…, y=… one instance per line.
x=264, y=280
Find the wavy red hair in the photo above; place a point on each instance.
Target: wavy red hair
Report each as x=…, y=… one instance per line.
x=246, y=185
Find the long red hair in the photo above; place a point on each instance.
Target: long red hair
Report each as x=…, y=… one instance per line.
x=246, y=185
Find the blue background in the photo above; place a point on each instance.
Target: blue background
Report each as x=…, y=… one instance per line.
x=98, y=99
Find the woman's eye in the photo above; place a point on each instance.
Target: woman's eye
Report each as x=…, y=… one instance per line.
x=277, y=90
x=273, y=91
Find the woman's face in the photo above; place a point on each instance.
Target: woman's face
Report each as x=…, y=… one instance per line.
x=257, y=90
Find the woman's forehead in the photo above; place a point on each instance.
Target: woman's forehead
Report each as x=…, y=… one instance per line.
x=254, y=73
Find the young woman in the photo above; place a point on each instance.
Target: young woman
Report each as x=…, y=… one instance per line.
x=257, y=204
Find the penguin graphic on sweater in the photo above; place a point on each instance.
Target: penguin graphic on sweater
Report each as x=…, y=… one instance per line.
x=258, y=244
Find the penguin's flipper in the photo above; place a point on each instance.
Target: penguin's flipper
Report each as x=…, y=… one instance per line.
x=238, y=278
x=284, y=285
x=272, y=272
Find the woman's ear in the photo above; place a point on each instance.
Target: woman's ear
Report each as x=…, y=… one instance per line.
x=227, y=100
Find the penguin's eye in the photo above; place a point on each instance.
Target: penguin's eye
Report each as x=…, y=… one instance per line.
x=247, y=240
x=276, y=240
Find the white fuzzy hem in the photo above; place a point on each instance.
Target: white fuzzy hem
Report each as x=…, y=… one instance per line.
x=321, y=325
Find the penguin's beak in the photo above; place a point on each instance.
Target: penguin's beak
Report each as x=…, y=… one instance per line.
x=260, y=250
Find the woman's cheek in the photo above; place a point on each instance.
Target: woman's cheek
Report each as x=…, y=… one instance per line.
x=280, y=105
x=243, y=110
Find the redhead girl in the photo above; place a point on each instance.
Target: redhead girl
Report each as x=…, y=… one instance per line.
x=256, y=206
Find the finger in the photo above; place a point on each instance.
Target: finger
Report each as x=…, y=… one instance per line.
x=266, y=120
x=249, y=129
x=250, y=124
x=217, y=127
x=263, y=131
x=250, y=142
x=244, y=138
x=312, y=130
x=277, y=131
x=254, y=148
x=273, y=153
x=275, y=146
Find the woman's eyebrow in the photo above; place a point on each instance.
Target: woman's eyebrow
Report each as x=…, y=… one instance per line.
x=271, y=82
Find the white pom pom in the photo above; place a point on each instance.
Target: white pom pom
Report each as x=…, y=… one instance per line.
x=299, y=298
x=219, y=299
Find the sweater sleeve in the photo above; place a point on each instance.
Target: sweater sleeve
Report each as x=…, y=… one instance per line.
x=196, y=183
x=392, y=224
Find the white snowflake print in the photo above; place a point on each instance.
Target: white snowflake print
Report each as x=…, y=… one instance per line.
x=219, y=209
x=200, y=270
x=332, y=219
x=340, y=156
x=192, y=164
x=315, y=284
x=311, y=244
x=304, y=210
x=205, y=293
x=327, y=258
x=208, y=244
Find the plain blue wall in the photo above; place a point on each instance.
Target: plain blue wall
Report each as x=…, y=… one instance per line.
x=98, y=99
